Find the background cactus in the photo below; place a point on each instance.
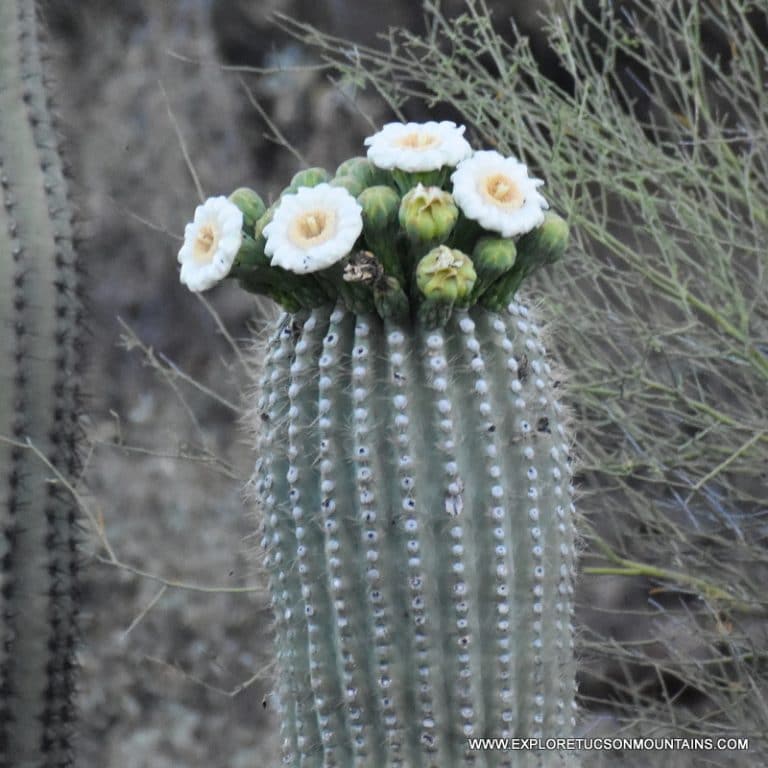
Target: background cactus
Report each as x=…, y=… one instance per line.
x=40, y=318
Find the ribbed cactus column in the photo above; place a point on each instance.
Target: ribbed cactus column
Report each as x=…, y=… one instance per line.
x=413, y=468
x=419, y=537
x=39, y=367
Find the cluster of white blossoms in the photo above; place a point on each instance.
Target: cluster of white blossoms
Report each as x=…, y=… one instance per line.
x=314, y=227
x=491, y=189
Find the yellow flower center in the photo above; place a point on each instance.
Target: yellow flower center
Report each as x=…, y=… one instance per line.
x=500, y=190
x=312, y=228
x=417, y=140
x=205, y=244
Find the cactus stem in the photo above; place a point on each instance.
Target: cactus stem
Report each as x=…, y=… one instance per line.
x=283, y=580
x=349, y=604
x=376, y=496
x=311, y=558
x=425, y=520
x=39, y=363
x=421, y=547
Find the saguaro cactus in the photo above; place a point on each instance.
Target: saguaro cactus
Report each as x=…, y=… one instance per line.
x=413, y=465
x=39, y=366
x=419, y=533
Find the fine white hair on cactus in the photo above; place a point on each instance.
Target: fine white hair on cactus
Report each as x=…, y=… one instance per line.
x=313, y=228
x=497, y=192
x=418, y=146
x=211, y=242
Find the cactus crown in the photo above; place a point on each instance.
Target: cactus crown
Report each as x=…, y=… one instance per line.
x=371, y=235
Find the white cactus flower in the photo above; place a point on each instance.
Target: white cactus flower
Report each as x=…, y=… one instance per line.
x=313, y=228
x=497, y=192
x=211, y=242
x=417, y=147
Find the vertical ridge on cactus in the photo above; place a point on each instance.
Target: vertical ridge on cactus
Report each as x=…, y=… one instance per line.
x=39, y=366
x=419, y=538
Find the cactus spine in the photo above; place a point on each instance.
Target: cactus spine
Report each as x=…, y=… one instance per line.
x=419, y=538
x=39, y=366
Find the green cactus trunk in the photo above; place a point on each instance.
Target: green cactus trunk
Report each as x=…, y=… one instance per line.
x=419, y=539
x=39, y=366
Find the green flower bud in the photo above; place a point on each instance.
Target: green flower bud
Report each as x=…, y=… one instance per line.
x=407, y=180
x=353, y=164
x=492, y=257
x=263, y=220
x=446, y=275
x=310, y=177
x=543, y=245
x=250, y=204
x=390, y=299
x=364, y=171
x=427, y=215
x=350, y=183
x=380, y=206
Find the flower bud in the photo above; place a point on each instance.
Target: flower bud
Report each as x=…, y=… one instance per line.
x=350, y=183
x=427, y=215
x=251, y=205
x=543, y=245
x=446, y=275
x=380, y=206
x=390, y=299
x=363, y=171
x=251, y=252
x=310, y=177
x=491, y=257
x=380, y=209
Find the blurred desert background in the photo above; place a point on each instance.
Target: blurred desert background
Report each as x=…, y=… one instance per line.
x=177, y=673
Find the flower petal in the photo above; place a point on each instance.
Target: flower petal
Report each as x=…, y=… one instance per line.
x=418, y=146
